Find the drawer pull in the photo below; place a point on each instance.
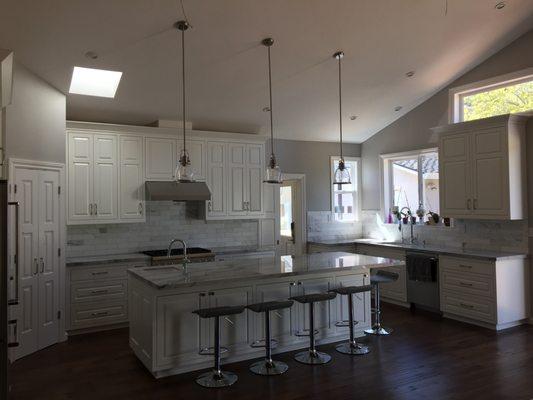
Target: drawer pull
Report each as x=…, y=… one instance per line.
x=467, y=306
x=103, y=291
x=229, y=321
x=465, y=266
x=99, y=314
x=465, y=284
x=100, y=273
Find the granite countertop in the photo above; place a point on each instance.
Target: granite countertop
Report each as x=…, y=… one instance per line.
x=172, y=277
x=451, y=251
x=105, y=259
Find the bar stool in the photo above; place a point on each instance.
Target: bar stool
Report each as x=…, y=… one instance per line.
x=375, y=280
x=312, y=356
x=269, y=366
x=217, y=377
x=352, y=347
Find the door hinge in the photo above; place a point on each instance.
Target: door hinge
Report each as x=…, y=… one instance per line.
x=59, y=190
x=15, y=259
x=15, y=188
x=59, y=315
x=59, y=252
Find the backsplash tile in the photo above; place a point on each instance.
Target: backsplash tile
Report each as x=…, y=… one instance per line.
x=322, y=226
x=164, y=221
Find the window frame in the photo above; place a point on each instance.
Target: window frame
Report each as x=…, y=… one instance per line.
x=387, y=184
x=456, y=95
x=358, y=195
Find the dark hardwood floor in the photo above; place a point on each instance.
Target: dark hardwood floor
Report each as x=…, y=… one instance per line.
x=425, y=358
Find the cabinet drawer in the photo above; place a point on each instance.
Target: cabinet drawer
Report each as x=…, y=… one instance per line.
x=96, y=314
x=396, y=290
x=98, y=291
x=475, y=307
x=100, y=272
x=480, y=285
x=377, y=251
x=459, y=264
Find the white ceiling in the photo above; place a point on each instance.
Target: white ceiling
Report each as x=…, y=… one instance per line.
x=227, y=70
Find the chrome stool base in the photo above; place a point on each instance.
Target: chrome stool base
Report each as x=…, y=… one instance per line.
x=352, y=348
x=265, y=367
x=379, y=331
x=311, y=357
x=216, y=379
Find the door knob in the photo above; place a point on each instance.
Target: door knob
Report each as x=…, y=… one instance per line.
x=42, y=265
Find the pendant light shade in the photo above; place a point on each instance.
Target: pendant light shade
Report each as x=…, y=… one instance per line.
x=342, y=175
x=273, y=172
x=183, y=172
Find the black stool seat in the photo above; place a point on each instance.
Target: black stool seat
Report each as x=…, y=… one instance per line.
x=314, y=297
x=352, y=289
x=270, y=306
x=383, y=277
x=219, y=311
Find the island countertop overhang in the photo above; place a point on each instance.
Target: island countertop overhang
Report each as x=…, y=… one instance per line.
x=241, y=270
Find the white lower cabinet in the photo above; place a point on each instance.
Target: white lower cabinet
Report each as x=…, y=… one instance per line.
x=361, y=303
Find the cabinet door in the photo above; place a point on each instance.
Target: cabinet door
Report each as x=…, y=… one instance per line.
x=131, y=178
x=360, y=303
x=490, y=183
x=234, y=329
x=455, y=175
x=197, y=154
x=216, y=179
x=237, y=179
x=48, y=258
x=105, y=187
x=325, y=315
x=396, y=290
x=161, y=158
x=80, y=176
x=254, y=176
x=283, y=322
x=179, y=330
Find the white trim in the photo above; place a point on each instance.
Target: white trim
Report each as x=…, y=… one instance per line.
x=455, y=94
x=357, y=160
x=303, y=209
x=51, y=166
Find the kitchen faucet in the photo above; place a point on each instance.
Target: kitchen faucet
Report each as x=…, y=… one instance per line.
x=411, y=221
x=184, y=245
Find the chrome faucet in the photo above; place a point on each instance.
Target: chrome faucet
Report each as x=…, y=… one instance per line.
x=184, y=245
x=410, y=220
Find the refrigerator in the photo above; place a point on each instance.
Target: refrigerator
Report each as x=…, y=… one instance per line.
x=8, y=287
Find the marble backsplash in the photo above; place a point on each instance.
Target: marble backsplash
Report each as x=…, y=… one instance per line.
x=321, y=225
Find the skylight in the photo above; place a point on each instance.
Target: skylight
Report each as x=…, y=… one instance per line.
x=94, y=82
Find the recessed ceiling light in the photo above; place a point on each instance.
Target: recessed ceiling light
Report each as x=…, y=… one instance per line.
x=353, y=117
x=410, y=74
x=94, y=82
x=266, y=109
x=92, y=55
x=500, y=5
x=398, y=108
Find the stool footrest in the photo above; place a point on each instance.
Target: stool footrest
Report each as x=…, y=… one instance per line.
x=342, y=324
x=210, y=351
x=262, y=343
x=304, y=332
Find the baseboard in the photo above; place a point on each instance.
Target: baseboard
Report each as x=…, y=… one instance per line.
x=395, y=302
x=494, y=327
x=93, y=329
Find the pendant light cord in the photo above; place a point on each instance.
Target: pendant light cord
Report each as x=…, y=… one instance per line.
x=340, y=105
x=183, y=89
x=270, y=107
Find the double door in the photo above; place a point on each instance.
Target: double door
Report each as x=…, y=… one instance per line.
x=38, y=193
x=92, y=177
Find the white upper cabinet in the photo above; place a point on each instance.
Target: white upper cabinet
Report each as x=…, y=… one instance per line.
x=105, y=186
x=197, y=155
x=80, y=176
x=161, y=158
x=482, y=168
x=254, y=177
x=131, y=178
x=216, y=179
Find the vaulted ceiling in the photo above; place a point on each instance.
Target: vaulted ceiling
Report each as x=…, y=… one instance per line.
x=227, y=66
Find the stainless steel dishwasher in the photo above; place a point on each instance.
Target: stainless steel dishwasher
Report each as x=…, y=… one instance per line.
x=423, y=280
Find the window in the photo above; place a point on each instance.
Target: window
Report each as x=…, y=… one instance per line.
x=506, y=94
x=345, y=199
x=412, y=179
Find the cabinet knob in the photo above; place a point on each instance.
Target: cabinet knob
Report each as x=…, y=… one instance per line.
x=209, y=206
x=211, y=293
x=140, y=208
x=201, y=294
x=292, y=283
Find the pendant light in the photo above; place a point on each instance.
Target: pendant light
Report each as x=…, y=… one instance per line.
x=273, y=172
x=183, y=172
x=341, y=176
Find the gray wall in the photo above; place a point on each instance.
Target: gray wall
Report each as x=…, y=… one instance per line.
x=412, y=131
x=35, y=121
x=311, y=159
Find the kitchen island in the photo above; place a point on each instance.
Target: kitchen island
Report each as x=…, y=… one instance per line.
x=169, y=339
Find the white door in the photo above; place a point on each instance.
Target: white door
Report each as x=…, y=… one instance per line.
x=490, y=183
x=161, y=158
x=105, y=187
x=27, y=194
x=197, y=154
x=80, y=177
x=48, y=258
x=254, y=176
x=455, y=175
x=216, y=179
x=237, y=179
x=131, y=178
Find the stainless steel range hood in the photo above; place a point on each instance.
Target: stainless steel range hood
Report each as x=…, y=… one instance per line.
x=177, y=191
